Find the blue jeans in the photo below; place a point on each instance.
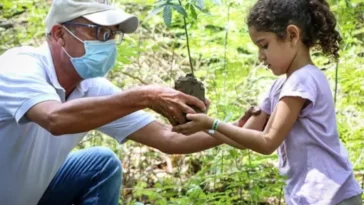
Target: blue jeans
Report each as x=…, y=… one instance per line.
x=90, y=176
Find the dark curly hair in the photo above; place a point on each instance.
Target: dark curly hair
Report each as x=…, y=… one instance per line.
x=313, y=17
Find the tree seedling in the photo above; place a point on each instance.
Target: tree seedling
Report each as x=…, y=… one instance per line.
x=188, y=84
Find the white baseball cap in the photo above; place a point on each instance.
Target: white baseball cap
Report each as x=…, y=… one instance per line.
x=99, y=12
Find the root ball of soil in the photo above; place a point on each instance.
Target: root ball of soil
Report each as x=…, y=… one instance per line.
x=191, y=86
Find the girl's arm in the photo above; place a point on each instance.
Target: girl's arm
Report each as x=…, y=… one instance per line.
x=265, y=142
x=254, y=122
x=276, y=130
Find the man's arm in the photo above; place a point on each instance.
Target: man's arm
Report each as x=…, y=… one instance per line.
x=81, y=115
x=160, y=136
x=85, y=114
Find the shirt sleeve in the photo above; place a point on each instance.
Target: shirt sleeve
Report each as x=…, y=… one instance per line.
x=301, y=84
x=265, y=104
x=23, y=84
x=121, y=128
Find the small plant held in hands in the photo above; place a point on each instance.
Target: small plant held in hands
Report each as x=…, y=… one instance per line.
x=187, y=84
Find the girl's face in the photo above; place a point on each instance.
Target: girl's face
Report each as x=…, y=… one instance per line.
x=276, y=54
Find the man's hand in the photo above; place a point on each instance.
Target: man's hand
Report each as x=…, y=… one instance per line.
x=172, y=104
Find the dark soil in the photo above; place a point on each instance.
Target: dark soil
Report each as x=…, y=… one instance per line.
x=191, y=86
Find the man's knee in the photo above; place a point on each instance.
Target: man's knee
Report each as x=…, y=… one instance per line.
x=111, y=161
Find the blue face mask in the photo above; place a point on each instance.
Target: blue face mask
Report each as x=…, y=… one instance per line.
x=98, y=60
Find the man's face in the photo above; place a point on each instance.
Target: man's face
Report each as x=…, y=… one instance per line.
x=72, y=45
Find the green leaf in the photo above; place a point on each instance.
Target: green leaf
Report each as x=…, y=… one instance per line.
x=155, y=11
x=167, y=15
x=179, y=9
x=193, y=12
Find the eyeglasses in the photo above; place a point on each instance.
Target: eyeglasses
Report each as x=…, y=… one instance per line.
x=102, y=33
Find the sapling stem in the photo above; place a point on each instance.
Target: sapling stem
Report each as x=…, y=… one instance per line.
x=188, y=42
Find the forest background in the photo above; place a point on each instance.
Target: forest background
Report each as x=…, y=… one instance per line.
x=225, y=60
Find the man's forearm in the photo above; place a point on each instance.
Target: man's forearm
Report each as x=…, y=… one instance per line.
x=85, y=114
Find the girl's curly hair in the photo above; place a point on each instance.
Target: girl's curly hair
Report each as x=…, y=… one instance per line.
x=313, y=17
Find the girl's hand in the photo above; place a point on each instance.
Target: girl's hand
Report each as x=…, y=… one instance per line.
x=198, y=122
x=252, y=111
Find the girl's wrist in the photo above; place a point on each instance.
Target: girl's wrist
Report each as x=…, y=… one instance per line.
x=210, y=122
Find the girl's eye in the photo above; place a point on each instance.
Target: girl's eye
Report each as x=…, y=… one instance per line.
x=265, y=46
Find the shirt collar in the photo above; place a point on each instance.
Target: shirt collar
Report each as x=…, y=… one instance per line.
x=49, y=65
x=51, y=72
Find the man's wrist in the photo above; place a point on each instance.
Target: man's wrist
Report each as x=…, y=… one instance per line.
x=142, y=96
x=150, y=94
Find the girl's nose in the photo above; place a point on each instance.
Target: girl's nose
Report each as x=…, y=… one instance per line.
x=261, y=57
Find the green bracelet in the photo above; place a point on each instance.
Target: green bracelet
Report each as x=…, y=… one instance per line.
x=215, y=124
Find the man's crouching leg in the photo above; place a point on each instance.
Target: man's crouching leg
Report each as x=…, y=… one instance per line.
x=90, y=176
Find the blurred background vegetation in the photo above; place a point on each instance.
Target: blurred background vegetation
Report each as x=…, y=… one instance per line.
x=226, y=61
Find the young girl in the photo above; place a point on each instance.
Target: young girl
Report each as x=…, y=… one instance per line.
x=298, y=114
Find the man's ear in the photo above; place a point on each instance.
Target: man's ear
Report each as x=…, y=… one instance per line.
x=293, y=34
x=57, y=34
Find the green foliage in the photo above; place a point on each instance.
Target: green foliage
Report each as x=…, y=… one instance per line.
x=225, y=59
x=168, y=5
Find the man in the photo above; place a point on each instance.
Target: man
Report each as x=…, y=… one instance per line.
x=51, y=96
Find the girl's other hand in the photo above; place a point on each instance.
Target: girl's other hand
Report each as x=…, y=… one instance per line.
x=252, y=111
